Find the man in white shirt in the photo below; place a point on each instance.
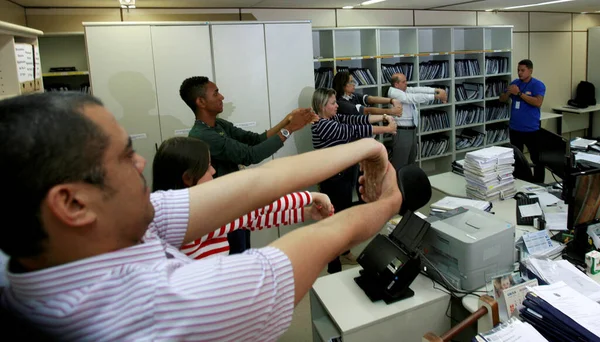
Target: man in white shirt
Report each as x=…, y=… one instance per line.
x=404, y=151
x=94, y=256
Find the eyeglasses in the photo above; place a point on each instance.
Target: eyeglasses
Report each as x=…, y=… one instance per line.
x=352, y=83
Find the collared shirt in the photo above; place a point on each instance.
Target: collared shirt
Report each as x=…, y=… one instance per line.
x=523, y=116
x=153, y=292
x=231, y=146
x=352, y=104
x=410, y=98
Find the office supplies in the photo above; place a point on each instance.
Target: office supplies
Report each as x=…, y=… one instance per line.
x=594, y=158
x=513, y=297
x=450, y=202
x=582, y=143
x=511, y=331
x=538, y=242
x=468, y=247
x=592, y=262
x=391, y=263
x=528, y=208
x=489, y=173
x=563, y=308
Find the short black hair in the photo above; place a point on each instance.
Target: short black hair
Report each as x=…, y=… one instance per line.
x=193, y=88
x=45, y=140
x=527, y=63
x=339, y=82
x=174, y=157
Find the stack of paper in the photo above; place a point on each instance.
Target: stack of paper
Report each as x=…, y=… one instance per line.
x=489, y=173
x=512, y=330
x=449, y=203
x=560, y=313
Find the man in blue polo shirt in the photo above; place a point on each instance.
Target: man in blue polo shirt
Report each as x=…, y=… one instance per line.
x=527, y=95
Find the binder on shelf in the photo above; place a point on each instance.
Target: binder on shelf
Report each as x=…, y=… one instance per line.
x=496, y=111
x=494, y=88
x=496, y=65
x=496, y=135
x=466, y=67
x=432, y=70
x=433, y=120
x=324, y=77
x=433, y=145
x=468, y=115
x=469, y=138
x=387, y=70
x=468, y=91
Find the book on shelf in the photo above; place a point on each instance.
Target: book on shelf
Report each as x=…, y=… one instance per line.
x=496, y=65
x=387, y=70
x=466, y=67
x=468, y=115
x=432, y=70
x=433, y=120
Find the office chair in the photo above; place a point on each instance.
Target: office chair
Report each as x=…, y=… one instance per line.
x=522, y=166
x=486, y=318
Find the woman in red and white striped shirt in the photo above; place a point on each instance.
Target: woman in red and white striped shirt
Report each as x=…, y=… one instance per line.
x=183, y=162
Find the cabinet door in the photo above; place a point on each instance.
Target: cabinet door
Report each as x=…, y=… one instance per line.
x=290, y=77
x=179, y=52
x=241, y=74
x=291, y=84
x=122, y=76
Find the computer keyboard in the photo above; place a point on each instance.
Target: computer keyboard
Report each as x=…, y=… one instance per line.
x=524, y=200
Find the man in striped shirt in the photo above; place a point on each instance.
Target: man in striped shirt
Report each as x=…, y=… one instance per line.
x=94, y=256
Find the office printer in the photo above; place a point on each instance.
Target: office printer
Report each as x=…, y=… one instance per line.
x=468, y=247
x=391, y=263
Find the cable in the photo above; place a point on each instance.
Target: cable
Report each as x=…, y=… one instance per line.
x=557, y=182
x=447, y=285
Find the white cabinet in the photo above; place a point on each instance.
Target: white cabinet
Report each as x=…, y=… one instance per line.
x=262, y=69
x=179, y=52
x=122, y=76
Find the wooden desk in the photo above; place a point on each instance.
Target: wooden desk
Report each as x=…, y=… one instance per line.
x=578, y=111
x=340, y=308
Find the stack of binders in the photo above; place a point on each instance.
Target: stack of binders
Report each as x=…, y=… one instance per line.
x=560, y=313
x=488, y=173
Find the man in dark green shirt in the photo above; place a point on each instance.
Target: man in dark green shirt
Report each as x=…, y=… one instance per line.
x=231, y=146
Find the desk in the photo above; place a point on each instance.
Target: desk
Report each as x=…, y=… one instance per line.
x=579, y=111
x=340, y=308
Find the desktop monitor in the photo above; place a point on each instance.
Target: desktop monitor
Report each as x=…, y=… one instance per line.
x=554, y=150
x=582, y=194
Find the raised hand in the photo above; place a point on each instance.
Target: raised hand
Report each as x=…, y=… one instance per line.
x=300, y=117
x=396, y=110
x=374, y=170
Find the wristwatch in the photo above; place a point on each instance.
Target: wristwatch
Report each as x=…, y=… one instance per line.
x=286, y=134
x=519, y=94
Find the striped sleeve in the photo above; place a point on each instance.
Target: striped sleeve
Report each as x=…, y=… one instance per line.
x=171, y=215
x=335, y=131
x=255, y=305
x=280, y=218
x=290, y=201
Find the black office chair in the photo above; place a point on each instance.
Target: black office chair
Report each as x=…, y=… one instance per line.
x=522, y=166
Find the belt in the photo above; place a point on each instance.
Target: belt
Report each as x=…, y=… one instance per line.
x=407, y=127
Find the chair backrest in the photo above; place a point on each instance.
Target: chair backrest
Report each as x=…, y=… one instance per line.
x=522, y=168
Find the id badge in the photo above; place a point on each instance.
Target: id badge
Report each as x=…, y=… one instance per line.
x=517, y=104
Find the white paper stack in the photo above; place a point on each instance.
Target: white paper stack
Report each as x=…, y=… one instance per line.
x=489, y=173
x=449, y=203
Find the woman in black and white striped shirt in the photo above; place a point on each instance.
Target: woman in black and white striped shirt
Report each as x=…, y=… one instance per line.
x=335, y=129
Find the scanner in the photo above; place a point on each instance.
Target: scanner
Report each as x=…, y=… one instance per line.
x=391, y=263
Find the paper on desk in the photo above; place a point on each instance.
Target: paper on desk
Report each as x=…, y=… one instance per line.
x=530, y=210
x=512, y=330
x=546, y=198
x=556, y=220
x=594, y=158
x=582, y=310
x=556, y=271
x=582, y=143
x=538, y=242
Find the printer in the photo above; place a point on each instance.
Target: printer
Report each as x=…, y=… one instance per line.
x=468, y=247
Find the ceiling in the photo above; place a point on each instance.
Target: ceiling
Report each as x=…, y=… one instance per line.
x=571, y=6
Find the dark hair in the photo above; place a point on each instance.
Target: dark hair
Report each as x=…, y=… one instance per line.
x=45, y=140
x=193, y=88
x=174, y=157
x=527, y=63
x=339, y=82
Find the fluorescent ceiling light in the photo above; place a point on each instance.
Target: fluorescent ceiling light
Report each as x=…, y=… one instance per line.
x=489, y=10
x=348, y=7
x=538, y=4
x=369, y=2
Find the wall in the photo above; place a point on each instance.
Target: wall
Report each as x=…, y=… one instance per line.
x=12, y=13
x=555, y=42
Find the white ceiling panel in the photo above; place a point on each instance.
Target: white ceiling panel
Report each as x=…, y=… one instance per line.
x=572, y=6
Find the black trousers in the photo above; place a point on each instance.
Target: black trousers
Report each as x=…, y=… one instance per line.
x=340, y=189
x=532, y=141
x=239, y=241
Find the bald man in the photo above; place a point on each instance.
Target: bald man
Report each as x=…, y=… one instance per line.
x=404, y=151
